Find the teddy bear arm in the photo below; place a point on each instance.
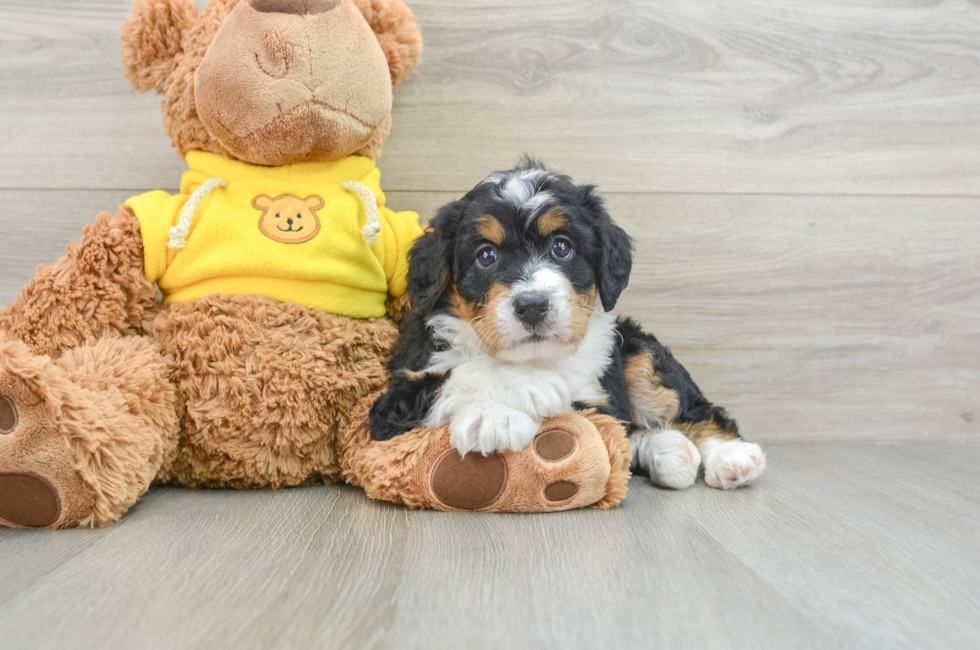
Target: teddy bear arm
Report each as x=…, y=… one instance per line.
x=95, y=290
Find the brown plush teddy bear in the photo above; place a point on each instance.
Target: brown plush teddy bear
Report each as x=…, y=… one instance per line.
x=281, y=271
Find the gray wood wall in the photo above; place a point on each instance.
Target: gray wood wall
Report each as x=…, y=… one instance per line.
x=802, y=177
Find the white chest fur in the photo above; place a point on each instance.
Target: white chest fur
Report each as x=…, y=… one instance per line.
x=494, y=403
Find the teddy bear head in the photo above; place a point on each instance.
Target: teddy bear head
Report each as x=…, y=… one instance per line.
x=273, y=82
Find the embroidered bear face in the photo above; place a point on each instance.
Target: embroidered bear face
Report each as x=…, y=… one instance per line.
x=287, y=218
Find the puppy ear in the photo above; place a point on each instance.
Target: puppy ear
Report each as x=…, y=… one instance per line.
x=616, y=249
x=430, y=259
x=151, y=40
x=428, y=271
x=397, y=32
x=618, y=264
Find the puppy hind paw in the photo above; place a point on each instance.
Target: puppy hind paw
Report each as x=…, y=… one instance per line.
x=670, y=458
x=733, y=463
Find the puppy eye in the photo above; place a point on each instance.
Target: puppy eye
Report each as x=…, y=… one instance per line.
x=486, y=256
x=561, y=248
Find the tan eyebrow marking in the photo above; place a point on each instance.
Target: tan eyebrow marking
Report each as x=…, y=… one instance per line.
x=491, y=229
x=551, y=221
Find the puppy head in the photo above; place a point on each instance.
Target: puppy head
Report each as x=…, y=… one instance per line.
x=523, y=258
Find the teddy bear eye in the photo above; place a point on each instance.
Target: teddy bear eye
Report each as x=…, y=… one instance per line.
x=299, y=216
x=277, y=215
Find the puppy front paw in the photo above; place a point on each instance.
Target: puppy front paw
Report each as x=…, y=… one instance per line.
x=490, y=427
x=540, y=397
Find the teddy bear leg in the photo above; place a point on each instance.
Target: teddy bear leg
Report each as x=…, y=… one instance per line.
x=81, y=438
x=575, y=461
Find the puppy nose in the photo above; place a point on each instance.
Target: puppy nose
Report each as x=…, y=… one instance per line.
x=298, y=7
x=531, y=308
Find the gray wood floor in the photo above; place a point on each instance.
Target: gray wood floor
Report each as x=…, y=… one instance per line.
x=803, y=181
x=846, y=545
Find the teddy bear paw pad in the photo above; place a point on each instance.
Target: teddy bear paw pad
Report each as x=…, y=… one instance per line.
x=471, y=482
x=28, y=499
x=560, y=490
x=8, y=415
x=554, y=445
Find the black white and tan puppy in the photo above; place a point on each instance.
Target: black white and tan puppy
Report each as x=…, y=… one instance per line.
x=512, y=287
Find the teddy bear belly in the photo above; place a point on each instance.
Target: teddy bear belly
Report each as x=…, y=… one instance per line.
x=266, y=386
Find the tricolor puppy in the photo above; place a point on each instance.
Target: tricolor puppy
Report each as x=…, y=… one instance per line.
x=512, y=289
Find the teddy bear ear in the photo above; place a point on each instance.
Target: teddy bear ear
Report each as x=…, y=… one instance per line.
x=151, y=40
x=397, y=32
x=262, y=202
x=313, y=202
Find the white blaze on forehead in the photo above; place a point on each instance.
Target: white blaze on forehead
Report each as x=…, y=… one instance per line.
x=534, y=174
x=522, y=189
x=536, y=204
x=517, y=191
x=491, y=179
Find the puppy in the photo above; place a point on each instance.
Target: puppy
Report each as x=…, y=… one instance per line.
x=512, y=288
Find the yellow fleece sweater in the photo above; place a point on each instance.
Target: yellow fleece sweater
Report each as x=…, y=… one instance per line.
x=291, y=233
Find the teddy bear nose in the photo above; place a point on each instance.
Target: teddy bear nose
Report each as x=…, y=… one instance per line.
x=298, y=7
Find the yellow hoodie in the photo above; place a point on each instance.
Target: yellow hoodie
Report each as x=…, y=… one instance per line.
x=298, y=233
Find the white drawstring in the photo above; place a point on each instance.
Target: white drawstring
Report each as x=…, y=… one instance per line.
x=178, y=234
x=369, y=232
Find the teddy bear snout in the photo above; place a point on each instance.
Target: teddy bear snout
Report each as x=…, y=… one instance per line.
x=273, y=88
x=298, y=7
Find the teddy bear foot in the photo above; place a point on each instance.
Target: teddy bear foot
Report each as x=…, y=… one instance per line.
x=38, y=486
x=574, y=461
x=26, y=499
x=81, y=438
x=566, y=466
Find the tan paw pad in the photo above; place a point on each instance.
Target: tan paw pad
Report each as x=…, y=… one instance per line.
x=472, y=482
x=8, y=415
x=554, y=445
x=28, y=499
x=560, y=490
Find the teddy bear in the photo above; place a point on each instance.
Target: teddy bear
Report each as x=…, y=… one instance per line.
x=235, y=335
